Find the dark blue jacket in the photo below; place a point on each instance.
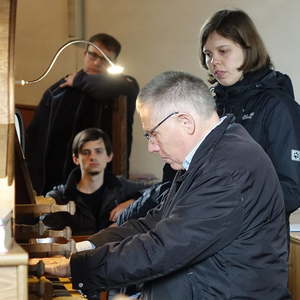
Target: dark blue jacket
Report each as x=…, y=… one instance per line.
x=263, y=102
x=150, y=198
x=221, y=235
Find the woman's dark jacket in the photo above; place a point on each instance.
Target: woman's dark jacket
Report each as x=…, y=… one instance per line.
x=85, y=222
x=221, y=235
x=263, y=102
x=62, y=113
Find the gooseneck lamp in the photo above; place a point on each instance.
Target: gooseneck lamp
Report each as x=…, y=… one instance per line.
x=112, y=69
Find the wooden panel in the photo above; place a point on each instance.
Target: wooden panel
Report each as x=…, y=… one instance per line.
x=7, y=29
x=13, y=264
x=294, y=266
x=8, y=283
x=24, y=192
x=27, y=112
x=13, y=278
x=3, y=147
x=119, y=137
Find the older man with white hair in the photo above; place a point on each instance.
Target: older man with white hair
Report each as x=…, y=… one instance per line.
x=220, y=233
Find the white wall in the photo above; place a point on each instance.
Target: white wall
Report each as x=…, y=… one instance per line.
x=41, y=28
x=162, y=35
x=157, y=36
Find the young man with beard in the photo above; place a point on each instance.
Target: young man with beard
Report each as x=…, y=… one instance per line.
x=99, y=196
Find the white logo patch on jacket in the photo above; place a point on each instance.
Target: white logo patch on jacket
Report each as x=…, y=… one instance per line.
x=248, y=116
x=295, y=155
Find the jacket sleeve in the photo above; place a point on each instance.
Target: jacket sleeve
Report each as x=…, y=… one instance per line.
x=150, y=198
x=57, y=193
x=283, y=133
x=132, y=227
x=37, y=136
x=103, y=87
x=191, y=232
x=57, y=220
x=36, y=140
x=131, y=189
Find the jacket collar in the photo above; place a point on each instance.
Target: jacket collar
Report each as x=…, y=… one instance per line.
x=252, y=81
x=209, y=143
x=72, y=180
x=244, y=95
x=189, y=157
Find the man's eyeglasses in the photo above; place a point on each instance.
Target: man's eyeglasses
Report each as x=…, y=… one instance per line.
x=149, y=134
x=94, y=56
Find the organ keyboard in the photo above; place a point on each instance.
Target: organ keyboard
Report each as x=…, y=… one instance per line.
x=40, y=240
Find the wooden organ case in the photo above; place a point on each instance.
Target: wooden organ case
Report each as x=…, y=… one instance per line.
x=13, y=259
x=19, y=206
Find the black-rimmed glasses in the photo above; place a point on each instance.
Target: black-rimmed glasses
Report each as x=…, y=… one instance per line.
x=94, y=56
x=149, y=133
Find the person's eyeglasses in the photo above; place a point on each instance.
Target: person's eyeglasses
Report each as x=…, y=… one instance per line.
x=94, y=56
x=149, y=134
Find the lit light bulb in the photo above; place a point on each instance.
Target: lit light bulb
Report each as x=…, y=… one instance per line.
x=115, y=69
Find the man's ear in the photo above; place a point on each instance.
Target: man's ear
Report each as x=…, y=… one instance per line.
x=110, y=157
x=187, y=122
x=75, y=160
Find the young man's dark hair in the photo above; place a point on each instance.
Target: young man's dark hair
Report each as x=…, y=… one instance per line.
x=108, y=41
x=90, y=134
